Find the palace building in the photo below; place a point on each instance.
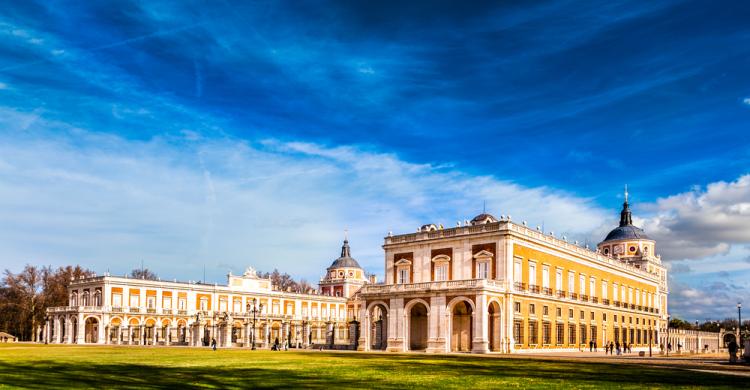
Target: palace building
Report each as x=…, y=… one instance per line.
x=487, y=285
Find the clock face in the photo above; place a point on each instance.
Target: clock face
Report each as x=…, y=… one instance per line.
x=618, y=249
x=351, y=273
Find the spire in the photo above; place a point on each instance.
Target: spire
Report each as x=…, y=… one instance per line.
x=345, y=248
x=626, y=217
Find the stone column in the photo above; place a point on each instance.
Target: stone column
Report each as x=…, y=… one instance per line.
x=436, y=333
x=106, y=335
x=168, y=335
x=395, y=341
x=480, y=343
x=228, y=335
x=80, y=327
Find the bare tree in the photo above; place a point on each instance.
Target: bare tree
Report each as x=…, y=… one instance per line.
x=143, y=273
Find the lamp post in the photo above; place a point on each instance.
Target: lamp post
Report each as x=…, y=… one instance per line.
x=739, y=323
x=650, y=333
x=254, y=310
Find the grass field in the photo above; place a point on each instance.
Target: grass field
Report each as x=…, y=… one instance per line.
x=60, y=367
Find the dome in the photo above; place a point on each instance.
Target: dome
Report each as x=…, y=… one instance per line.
x=483, y=218
x=346, y=260
x=627, y=232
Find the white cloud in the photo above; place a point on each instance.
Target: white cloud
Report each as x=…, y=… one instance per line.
x=108, y=202
x=702, y=222
x=3, y=85
x=746, y=101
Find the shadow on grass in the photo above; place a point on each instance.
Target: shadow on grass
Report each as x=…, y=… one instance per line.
x=378, y=371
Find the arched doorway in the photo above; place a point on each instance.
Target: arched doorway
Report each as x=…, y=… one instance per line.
x=494, y=325
x=237, y=332
x=91, y=331
x=181, y=331
x=114, y=330
x=728, y=338
x=418, y=327
x=461, y=327
x=276, y=333
x=378, y=327
x=135, y=331
x=74, y=330
x=62, y=330
x=148, y=334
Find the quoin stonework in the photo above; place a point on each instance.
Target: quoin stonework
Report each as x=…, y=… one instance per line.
x=487, y=285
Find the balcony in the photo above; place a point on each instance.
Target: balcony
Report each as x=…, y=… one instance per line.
x=519, y=286
x=560, y=293
x=632, y=306
x=427, y=286
x=182, y=312
x=605, y=301
x=584, y=297
x=166, y=311
x=534, y=288
x=151, y=310
x=594, y=299
x=117, y=309
x=617, y=303
x=573, y=295
x=547, y=291
x=134, y=310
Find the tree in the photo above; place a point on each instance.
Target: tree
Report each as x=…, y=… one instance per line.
x=285, y=282
x=25, y=297
x=143, y=273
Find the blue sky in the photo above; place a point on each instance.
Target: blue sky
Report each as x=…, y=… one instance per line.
x=236, y=133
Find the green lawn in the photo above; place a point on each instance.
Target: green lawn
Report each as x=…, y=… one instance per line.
x=60, y=367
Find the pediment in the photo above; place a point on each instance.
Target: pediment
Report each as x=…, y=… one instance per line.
x=483, y=254
x=403, y=262
x=441, y=259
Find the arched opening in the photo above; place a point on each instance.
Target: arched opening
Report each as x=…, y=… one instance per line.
x=62, y=330
x=91, y=335
x=728, y=338
x=74, y=330
x=461, y=327
x=378, y=327
x=418, y=327
x=114, y=330
x=276, y=336
x=494, y=322
x=236, y=332
x=182, y=331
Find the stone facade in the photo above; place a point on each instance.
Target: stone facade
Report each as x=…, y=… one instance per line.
x=488, y=285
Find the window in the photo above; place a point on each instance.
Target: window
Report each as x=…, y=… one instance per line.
x=167, y=304
x=441, y=272
x=604, y=290
x=630, y=295
x=571, y=281
x=592, y=316
x=533, y=333
x=182, y=303
x=545, y=310
x=545, y=276
x=615, y=317
x=632, y=249
x=559, y=312
x=606, y=251
x=560, y=333
x=134, y=301
x=583, y=315
x=483, y=269
x=518, y=332
x=558, y=280
x=571, y=334
x=592, y=286
x=637, y=298
x=582, y=284
x=532, y=308
x=604, y=317
x=546, y=333
x=570, y=313
x=532, y=274
x=517, y=306
x=583, y=334
x=517, y=276
x=204, y=304
x=593, y=333
x=117, y=300
x=403, y=275
x=614, y=291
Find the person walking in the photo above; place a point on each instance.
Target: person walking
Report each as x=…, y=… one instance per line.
x=617, y=345
x=732, y=347
x=213, y=344
x=611, y=348
x=606, y=349
x=596, y=347
x=276, y=344
x=591, y=346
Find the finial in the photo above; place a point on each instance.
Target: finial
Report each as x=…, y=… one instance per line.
x=626, y=193
x=346, y=234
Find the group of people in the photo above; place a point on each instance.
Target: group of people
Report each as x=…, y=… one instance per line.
x=613, y=347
